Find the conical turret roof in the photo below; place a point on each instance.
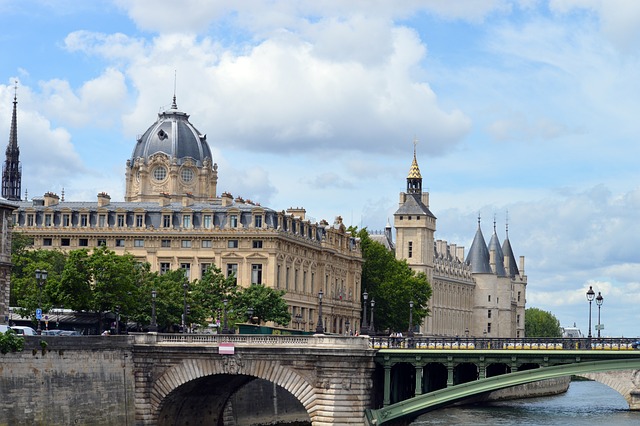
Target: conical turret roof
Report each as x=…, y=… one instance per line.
x=478, y=257
x=494, y=245
x=506, y=249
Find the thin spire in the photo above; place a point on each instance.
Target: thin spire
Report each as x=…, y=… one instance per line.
x=12, y=171
x=174, y=105
x=494, y=223
x=62, y=199
x=507, y=225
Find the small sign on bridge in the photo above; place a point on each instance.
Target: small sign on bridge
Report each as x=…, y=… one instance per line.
x=226, y=349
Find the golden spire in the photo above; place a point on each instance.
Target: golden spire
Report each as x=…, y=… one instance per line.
x=414, y=172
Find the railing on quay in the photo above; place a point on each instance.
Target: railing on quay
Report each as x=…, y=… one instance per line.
x=435, y=342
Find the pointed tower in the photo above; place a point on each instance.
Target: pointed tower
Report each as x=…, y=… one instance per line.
x=12, y=171
x=512, y=266
x=497, y=262
x=478, y=257
x=415, y=224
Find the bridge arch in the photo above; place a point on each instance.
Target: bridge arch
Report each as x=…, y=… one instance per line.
x=234, y=374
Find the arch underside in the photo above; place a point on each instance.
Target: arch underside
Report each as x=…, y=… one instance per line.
x=418, y=405
x=207, y=385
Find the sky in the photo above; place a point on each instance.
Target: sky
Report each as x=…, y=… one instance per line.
x=524, y=112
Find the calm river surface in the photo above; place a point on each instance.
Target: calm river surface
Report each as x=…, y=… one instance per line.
x=585, y=403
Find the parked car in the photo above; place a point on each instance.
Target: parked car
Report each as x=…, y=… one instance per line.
x=636, y=344
x=51, y=332
x=69, y=333
x=4, y=328
x=22, y=330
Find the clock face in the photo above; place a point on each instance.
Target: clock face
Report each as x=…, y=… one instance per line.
x=187, y=174
x=160, y=173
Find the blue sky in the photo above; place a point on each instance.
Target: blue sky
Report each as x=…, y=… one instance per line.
x=527, y=107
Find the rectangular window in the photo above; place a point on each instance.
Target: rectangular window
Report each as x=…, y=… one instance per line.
x=410, y=249
x=83, y=242
x=66, y=220
x=489, y=298
x=46, y=242
x=164, y=267
x=489, y=313
x=232, y=269
x=48, y=220
x=233, y=221
x=138, y=243
x=258, y=221
x=313, y=282
x=101, y=242
x=206, y=221
x=257, y=244
x=207, y=244
x=30, y=220
x=139, y=220
x=518, y=319
x=84, y=220
x=166, y=221
x=488, y=328
x=65, y=242
x=120, y=218
x=119, y=242
x=186, y=221
x=165, y=243
x=186, y=268
x=256, y=273
x=232, y=244
x=102, y=220
x=185, y=244
x=204, y=267
x=519, y=296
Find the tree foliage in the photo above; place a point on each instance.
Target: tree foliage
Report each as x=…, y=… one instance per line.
x=267, y=304
x=539, y=323
x=392, y=284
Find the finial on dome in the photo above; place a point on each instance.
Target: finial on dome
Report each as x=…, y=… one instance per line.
x=174, y=105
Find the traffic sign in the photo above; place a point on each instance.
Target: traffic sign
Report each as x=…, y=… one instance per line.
x=599, y=326
x=38, y=314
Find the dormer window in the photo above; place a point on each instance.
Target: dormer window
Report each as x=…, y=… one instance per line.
x=162, y=135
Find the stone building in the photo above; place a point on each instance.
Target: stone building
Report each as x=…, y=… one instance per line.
x=173, y=218
x=482, y=295
x=6, y=218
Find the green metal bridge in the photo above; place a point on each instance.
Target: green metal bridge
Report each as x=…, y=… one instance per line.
x=418, y=380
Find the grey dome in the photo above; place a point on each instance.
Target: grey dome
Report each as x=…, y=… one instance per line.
x=175, y=136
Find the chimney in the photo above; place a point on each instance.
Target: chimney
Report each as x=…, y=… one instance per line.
x=164, y=199
x=522, y=266
x=103, y=199
x=187, y=200
x=300, y=212
x=51, y=199
x=492, y=260
x=460, y=253
x=227, y=199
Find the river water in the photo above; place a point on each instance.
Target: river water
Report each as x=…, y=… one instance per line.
x=585, y=403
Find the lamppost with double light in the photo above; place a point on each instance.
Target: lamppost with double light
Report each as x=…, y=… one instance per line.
x=590, y=296
x=153, y=327
x=364, y=328
x=225, y=326
x=372, y=327
x=185, y=287
x=599, y=300
x=319, y=327
x=410, y=331
x=41, y=278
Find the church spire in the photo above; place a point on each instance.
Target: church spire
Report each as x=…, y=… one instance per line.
x=414, y=179
x=12, y=171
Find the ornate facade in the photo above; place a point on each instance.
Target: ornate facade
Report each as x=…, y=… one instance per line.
x=172, y=218
x=483, y=295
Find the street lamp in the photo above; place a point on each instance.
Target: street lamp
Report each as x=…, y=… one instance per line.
x=364, y=329
x=410, y=331
x=319, y=327
x=225, y=326
x=41, y=278
x=590, y=296
x=372, y=328
x=185, y=286
x=117, y=319
x=298, y=319
x=250, y=315
x=347, y=324
x=599, y=300
x=153, y=327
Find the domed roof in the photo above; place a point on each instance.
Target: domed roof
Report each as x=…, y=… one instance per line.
x=175, y=136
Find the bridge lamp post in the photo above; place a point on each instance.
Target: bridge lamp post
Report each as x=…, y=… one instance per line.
x=41, y=278
x=372, y=328
x=153, y=327
x=185, y=287
x=225, y=326
x=298, y=319
x=364, y=328
x=250, y=315
x=590, y=296
x=410, y=331
x=599, y=300
x=319, y=327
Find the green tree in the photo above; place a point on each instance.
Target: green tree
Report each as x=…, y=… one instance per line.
x=539, y=323
x=169, y=300
x=392, y=284
x=207, y=294
x=267, y=304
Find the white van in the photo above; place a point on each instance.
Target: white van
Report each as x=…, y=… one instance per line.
x=22, y=330
x=4, y=328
